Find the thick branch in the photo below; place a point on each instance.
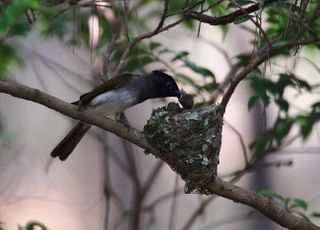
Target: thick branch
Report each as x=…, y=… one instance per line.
x=34, y=95
x=261, y=203
x=219, y=187
x=230, y=18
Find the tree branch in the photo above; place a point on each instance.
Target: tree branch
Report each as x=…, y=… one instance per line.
x=263, y=204
x=20, y=91
x=226, y=19
x=219, y=187
x=261, y=56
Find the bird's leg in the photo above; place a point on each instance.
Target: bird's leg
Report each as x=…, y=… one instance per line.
x=121, y=117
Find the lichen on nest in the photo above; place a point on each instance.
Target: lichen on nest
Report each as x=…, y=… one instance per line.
x=189, y=142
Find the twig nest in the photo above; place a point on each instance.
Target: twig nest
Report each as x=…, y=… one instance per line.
x=189, y=142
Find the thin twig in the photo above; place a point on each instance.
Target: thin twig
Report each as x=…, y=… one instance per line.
x=173, y=205
x=230, y=18
x=128, y=152
x=152, y=177
x=198, y=212
x=165, y=197
x=141, y=37
x=227, y=220
x=243, y=146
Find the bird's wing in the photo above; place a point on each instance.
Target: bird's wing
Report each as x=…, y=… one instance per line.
x=113, y=83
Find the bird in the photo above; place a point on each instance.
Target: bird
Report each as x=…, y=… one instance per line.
x=114, y=96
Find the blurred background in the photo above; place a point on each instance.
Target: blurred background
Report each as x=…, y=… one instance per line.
x=108, y=183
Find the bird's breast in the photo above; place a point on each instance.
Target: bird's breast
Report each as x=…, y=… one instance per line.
x=114, y=101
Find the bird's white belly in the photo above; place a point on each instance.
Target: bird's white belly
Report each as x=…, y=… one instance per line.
x=113, y=101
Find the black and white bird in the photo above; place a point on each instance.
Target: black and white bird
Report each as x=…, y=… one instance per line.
x=114, y=96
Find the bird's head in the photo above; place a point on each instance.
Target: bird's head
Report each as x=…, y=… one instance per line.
x=165, y=84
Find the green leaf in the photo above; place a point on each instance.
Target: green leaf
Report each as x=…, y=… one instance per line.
x=57, y=27
x=8, y=59
x=299, y=203
x=283, y=104
x=272, y=194
x=105, y=32
x=218, y=9
x=302, y=84
x=284, y=81
x=198, y=69
x=164, y=50
x=282, y=128
x=237, y=3
x=242, y=19
x=253, y=101
x=316, y=106
x=262, y=85
x=210, y=87
x=261, y=144
x=21, y=28
x=33, y=225
x=291, y=80
x=243, y=60
x=189, y=24
x=177, y=5
x=306, y=124
x=180, y=56
x=154, y=45
x=138, y=63
x=13, y=13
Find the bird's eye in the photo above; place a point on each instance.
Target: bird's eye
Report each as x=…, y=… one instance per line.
x=169, y=85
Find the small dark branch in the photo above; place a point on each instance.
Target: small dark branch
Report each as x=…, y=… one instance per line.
x=152, y=177
x=315, y=15
x=107, y=189
x=223, y=20
x=125, y=18
x=142, y=37
x=198, y=212
x=114, y=155
x=141, y=192
x=253, y=64
x=108, y=54
x=137, y=210
x=278, y=164
x=263, y=204
x=174, y=205
x=164, y=198
x=132, y=166
x=243, y=146
x=227, y=220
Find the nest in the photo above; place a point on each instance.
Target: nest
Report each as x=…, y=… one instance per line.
x=189, y=142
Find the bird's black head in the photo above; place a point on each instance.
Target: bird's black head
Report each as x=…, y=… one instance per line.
x=165, y=85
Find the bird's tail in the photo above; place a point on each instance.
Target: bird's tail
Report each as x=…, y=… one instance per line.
x=68, y=144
